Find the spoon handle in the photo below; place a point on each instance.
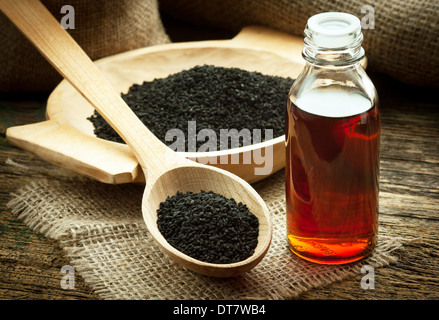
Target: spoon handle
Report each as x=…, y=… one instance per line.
x=61, y=50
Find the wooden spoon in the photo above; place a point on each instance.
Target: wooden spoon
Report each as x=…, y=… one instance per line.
x=166, y=172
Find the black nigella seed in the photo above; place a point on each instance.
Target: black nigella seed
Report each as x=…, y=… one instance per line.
x=229, y=232
x=212, y=96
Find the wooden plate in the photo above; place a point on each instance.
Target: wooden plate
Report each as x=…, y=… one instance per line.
x=67, y=139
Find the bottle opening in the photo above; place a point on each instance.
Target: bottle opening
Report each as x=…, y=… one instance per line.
x=333, y=30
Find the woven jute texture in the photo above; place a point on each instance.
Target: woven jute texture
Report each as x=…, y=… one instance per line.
x=101, y=230
x=102, y=28
x=403, y=44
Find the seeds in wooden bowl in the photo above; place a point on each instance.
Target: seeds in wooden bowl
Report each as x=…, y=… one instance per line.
x=214, y=97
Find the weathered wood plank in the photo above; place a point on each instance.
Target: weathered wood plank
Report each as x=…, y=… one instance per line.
x=30, y=264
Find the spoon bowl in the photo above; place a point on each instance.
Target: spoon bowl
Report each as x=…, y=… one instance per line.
x=218, y=181
x=165, y=171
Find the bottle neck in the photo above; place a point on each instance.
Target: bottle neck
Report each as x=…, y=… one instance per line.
x=345, y=55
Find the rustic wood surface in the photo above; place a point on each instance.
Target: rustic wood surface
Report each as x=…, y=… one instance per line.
x=30, y=264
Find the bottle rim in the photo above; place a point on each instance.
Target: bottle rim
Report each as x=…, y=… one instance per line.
x=333, y=30
x=333, y=38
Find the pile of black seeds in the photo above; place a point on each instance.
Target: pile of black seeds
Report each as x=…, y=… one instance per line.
x=209, y=227
x=215, y=97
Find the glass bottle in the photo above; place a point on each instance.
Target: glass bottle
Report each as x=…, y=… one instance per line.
x=332, y=146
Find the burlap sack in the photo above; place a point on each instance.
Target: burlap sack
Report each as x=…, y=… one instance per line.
x=404, y=43
x=102, y=28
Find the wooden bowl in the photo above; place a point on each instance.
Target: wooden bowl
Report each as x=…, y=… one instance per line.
x=67, y=139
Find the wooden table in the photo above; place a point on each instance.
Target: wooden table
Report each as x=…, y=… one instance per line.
x=30, y=264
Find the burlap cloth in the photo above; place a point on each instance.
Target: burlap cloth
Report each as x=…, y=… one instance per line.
x=404, y=43
x=102, y=28
x=101, y=230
